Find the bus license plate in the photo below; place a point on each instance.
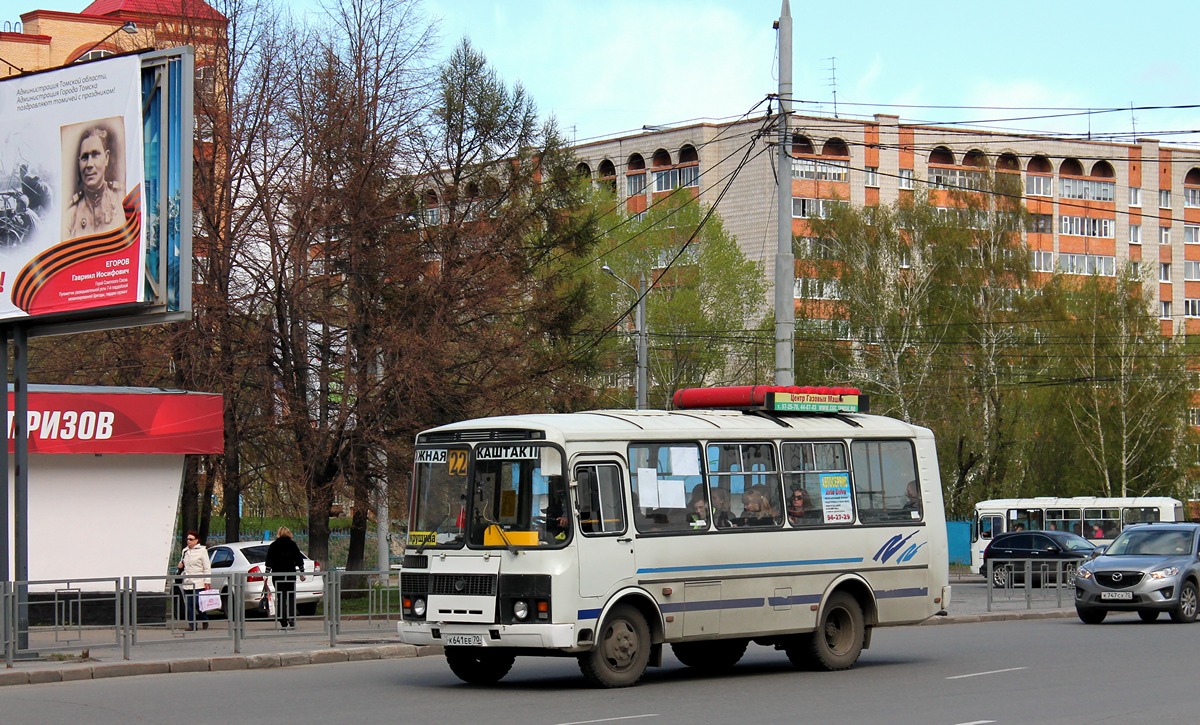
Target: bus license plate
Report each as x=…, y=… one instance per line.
x=464, y=640
x=1126, y=596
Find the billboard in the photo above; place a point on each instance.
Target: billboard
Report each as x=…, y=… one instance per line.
x=95, y=185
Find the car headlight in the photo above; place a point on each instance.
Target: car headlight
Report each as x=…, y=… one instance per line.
x=1167, y=573
x=521, y=609
x=1083, y=573
x=419, y=607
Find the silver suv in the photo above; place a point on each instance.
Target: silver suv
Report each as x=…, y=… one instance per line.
x=1148, y=568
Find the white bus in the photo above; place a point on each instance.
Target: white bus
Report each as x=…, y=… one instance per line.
x=781, y=516
x=1097, y=519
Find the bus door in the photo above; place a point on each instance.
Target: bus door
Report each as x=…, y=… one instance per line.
x=606, y=544
x=987, y=526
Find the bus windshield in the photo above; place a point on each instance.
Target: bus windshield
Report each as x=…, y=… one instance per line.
x=509, y=496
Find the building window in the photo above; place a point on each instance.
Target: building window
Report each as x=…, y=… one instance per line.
x=1193, y=416
x=809, y=288
x=818, y=170
x=1164, y=310
x=1191, y=271
x=1164, y=235
x=1041, y=223
x=1085, y=189
x=906, y=178
x=1041, y=261
x=871, y=176
x=1135, y=196
x=1135, y=233
x=1135, y=268
x=1092, y=264
x=815, y=248
x=676, y=178
x=1164, y=199
x=1039, y=185
x=1191, y=307
x=1191, y=196
x=1080, y=226
x=804, y=208
x=1191, y=234
x=1164, y=272
x=635, y=184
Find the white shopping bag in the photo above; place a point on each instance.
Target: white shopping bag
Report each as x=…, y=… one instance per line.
x=209, y=599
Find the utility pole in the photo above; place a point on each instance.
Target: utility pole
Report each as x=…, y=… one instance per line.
x=785, y=261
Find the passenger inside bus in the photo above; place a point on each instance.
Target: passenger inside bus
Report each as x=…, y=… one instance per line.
x=756, y=508
x=800, y=509
x=721, y=505
x=698, y=513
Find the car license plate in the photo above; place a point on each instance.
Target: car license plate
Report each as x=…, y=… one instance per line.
x=1126, y=596
x=464, y=640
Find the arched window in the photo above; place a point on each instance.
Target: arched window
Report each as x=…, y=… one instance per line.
x=1070, y=167
x=635, y=175
x=1191, y=189
x=608, y=175
x=941, y=155
x=636, y=163
x=1008, y=162
x=975, y=158
x=1039, y=177
x=801, y=144
x=583, y=170
x=688, y=155
x=1040, y=165
x=1104, y=170
x=660, y=159
x=835, y=147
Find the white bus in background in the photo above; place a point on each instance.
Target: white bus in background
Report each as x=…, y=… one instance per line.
x=1097, y=519
x=605, y=535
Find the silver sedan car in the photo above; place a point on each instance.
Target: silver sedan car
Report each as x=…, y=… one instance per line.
x=1148, y=569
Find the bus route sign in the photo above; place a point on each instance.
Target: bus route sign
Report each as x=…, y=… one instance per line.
x=812, y=403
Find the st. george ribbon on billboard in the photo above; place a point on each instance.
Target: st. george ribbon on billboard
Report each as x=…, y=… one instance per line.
x=96, y=192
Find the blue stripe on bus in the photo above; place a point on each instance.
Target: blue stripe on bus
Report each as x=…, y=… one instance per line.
x=751, y=565
x=796, y=599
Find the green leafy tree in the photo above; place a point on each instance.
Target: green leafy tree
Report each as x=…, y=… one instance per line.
x=701, y=291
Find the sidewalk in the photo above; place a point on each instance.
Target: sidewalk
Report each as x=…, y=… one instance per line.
x=161, y=651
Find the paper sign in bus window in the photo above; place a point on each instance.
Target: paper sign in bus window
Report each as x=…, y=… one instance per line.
x=685, y=461
x=647, y=486
x=835, y=498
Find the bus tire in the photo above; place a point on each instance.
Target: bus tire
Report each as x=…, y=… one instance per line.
x=1185, y=610
x=838, y=641
x=1091, y=616
x=477, y=666
x=622, y=650
x=799, y=651
x=710, y=657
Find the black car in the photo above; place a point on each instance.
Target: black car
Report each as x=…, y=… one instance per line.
x=1043, y=549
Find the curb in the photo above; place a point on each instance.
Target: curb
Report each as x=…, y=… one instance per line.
x=214, y=664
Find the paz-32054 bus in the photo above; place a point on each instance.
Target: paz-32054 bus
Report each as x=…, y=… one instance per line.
x=779, y=516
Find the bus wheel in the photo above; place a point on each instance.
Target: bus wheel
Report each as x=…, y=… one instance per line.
x=1185, y=611
x=838, y=641
x=477, y=666
x=1091, y=616
x=799, y=651
x=622, y=650
x=716, y=656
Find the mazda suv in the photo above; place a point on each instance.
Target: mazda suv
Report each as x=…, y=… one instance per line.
x=1148, y=569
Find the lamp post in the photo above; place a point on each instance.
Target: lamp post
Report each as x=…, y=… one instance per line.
x=642, y=384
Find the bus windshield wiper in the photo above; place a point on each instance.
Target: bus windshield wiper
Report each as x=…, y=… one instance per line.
x=421, y=548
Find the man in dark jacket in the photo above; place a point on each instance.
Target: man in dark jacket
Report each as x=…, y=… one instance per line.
x=283, y=560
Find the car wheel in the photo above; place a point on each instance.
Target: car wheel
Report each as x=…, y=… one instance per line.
x=307, y=609
x=710, y=657
x=1185, y=609
x=1148, y=615
x=838, y=641
x=1091, y=616
x=1001, y=576
x=622, y=650
x=476, y=666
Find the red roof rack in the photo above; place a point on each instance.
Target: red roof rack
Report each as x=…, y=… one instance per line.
x=778, y=398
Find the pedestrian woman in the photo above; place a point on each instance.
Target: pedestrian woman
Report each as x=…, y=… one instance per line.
x=194, y=568
x=283, y=561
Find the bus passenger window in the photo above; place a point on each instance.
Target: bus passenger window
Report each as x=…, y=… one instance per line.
x=601, y=503
x=885, y=475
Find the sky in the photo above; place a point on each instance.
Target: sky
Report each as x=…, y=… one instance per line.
x=603, y=67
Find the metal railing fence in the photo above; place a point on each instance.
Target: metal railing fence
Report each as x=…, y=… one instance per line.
x=1013, y=580
x=48, y=616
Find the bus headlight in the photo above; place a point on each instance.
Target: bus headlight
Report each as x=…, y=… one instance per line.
x=419, y=607
x=521, y=609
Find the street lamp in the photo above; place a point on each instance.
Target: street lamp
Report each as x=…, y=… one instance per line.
x=639, y=326
x=129, y=27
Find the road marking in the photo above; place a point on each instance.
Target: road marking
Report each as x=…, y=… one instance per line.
x=975, y=722
x=991, y=672
x=608, y=719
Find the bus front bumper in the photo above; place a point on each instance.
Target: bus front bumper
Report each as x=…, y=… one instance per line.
x=532, y=636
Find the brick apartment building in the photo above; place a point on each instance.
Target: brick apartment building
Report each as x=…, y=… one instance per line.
x=1095, y=205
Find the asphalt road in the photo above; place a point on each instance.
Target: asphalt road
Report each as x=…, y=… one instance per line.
x=1016, y=671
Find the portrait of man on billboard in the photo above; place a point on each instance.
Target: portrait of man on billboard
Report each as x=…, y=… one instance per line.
x=93, y=155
